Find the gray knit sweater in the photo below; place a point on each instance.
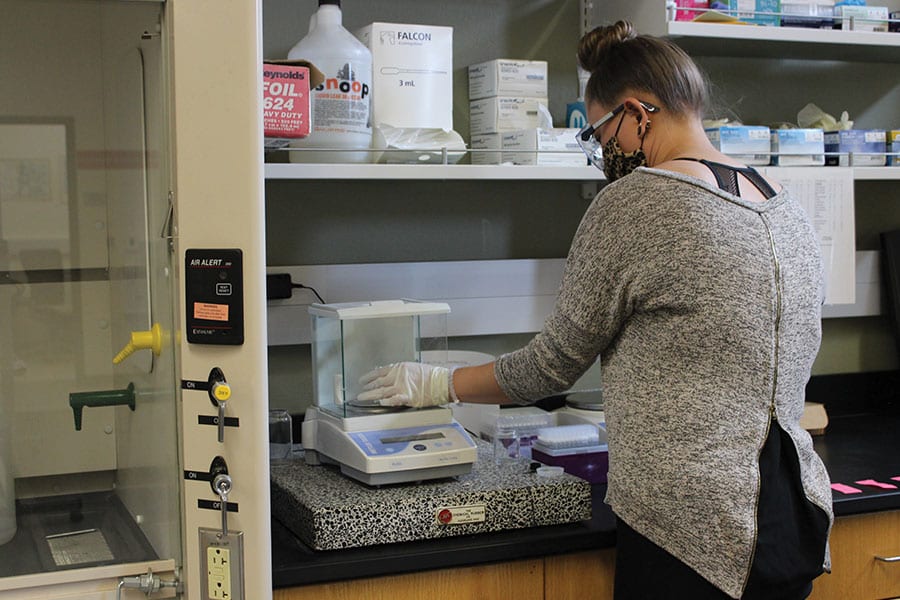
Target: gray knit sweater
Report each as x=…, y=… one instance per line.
x=705, y=312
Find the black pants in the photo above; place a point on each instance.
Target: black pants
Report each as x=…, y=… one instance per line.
x=644, y=571
x=791, y=539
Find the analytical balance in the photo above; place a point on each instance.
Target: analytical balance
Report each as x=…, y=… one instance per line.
x=372, y=443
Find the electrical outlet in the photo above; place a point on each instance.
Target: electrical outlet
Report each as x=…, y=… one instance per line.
x=218, y=573
x=222, y=564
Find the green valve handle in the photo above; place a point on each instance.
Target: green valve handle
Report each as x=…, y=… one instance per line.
x=78, y=400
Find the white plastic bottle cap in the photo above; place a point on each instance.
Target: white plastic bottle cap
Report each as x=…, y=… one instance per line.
x=548, y=471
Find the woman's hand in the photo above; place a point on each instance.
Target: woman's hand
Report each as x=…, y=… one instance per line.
x=412, y=384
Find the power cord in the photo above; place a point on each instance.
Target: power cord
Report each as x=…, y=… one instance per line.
x=306, y=287
x=279, y=286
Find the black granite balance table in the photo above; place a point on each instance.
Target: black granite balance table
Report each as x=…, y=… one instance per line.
x=856, y=446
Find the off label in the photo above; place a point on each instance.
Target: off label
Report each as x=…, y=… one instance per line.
x=460, y=515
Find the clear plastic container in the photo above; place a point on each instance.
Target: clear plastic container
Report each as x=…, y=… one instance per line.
x=525, y=422
x=506, y=445
x=351, y=339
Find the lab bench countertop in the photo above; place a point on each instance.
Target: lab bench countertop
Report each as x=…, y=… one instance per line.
x=855, y=447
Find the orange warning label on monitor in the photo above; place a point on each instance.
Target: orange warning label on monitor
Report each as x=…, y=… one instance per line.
x=210, y=312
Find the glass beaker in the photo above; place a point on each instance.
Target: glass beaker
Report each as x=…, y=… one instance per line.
x=506, y=445
x=280, y=436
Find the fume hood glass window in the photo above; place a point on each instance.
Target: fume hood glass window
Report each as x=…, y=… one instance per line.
x=88, y=448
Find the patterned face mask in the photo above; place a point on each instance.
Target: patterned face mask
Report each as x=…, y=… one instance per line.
x=616, y=162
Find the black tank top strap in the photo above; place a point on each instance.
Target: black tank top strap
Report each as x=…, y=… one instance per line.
x=726, y=177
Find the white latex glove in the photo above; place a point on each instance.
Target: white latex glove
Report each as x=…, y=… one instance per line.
x=407, y=384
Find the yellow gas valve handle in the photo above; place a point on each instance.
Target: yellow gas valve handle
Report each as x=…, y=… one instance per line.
x=221, y=391
x=142, y=340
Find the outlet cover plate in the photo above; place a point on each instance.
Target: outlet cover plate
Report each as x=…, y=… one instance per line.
x=212, y=539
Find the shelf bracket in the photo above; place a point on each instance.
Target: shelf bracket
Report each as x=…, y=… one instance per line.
x=587, y=16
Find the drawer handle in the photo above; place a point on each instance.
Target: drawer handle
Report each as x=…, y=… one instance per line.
x=888, y=559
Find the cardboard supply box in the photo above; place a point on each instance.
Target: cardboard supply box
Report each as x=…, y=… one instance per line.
x=893, y=146
x=748, y=143
x=856, y=148
x=862, y=18
x=412, y=74
x=798, y=147
x=486, y=141
x=286, y=100
x=501, y=113
x=547, y=147
x=814, y=14
x=757, y=12
x=506, y=77
x=690, y=15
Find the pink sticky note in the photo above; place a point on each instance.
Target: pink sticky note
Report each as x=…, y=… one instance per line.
x=878, y=484
x=896, y=478
x=845, y=489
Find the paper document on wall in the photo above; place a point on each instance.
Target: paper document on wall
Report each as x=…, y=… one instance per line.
x=827, y=197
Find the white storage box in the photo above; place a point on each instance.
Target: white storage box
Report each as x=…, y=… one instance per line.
x=506, y=77
x=486, y=141
x=412, y=74
x=748, y=143
x=798, y=147
x=549, y=147
x=503, y=113
x=815, y=14
x=862, y=18
x=856, y=148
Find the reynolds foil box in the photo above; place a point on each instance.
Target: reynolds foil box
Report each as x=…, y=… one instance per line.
x=504, y=113
x=506, y=77
x=856, y=148
x=748, y=143
x=798, y=147
x=412, y=74
x=286, y=100
x=538, y=146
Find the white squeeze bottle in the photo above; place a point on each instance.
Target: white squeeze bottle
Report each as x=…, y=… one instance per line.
x=340, y=106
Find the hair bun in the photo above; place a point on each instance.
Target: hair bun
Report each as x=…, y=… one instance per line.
x=595, y=46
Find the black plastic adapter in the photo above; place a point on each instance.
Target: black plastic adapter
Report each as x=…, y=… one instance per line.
x=278, y=286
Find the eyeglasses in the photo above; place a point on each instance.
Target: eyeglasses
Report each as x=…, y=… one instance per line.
x=587, y=139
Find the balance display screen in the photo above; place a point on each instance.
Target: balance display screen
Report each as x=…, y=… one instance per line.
x=412, y=438
x=411, y=441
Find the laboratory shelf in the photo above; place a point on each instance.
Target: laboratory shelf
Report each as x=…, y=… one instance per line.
x=876, y=173
x=785, y=42
x=485, y=172
x=723, y=39
x=430, y=172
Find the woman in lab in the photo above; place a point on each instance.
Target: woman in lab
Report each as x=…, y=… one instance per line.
x=699, y=285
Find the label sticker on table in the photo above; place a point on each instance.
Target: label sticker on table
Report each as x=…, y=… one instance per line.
x=877, y=484
x=845, y=489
